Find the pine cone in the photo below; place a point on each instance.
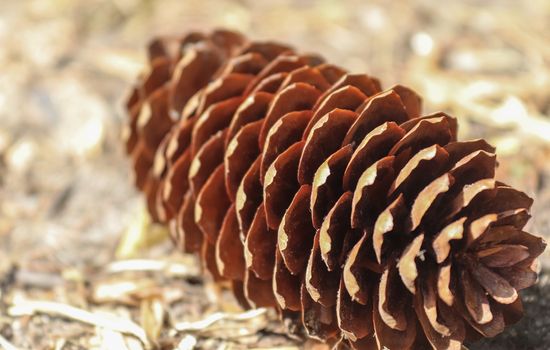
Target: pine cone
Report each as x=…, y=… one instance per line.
x=316, y=193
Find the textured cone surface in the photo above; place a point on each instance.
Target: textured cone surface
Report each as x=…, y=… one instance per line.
x=316, y=192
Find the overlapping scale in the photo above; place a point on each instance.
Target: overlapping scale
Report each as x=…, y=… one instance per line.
x=318, y=193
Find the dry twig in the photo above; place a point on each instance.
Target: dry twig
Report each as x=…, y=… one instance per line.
x=217, y=317
x=111, y=322
x=5, y=344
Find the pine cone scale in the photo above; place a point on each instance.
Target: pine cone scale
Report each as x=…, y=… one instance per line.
x=326, y=178
x=280, y=184
x=322, y=141
x=240, y=153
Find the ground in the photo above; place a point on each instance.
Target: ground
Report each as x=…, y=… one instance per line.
x=72, y=227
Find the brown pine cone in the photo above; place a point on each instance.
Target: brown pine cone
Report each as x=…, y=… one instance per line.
x=316, y=193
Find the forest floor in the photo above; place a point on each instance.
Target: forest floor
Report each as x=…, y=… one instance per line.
x=81, y=267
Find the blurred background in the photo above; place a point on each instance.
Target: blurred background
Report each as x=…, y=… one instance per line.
x=70, y=218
